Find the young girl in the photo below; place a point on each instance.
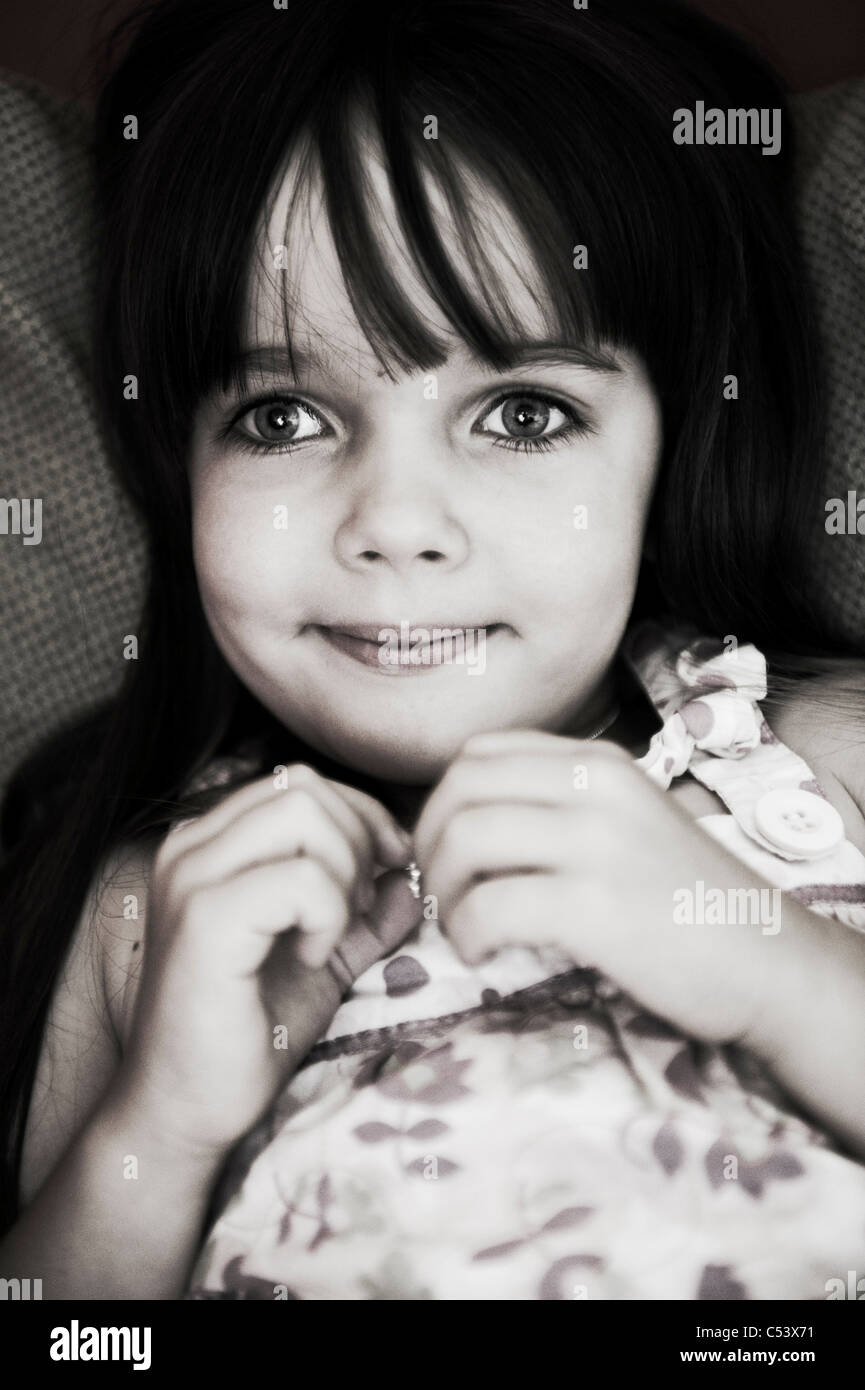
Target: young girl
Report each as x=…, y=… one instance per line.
x=436, y=326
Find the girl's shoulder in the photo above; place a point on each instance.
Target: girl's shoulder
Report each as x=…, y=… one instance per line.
x=823, y=720
x=118, y=927
x=119, y=924
x=90, y=1013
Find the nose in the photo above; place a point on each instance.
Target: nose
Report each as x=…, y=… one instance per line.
x=399, y=518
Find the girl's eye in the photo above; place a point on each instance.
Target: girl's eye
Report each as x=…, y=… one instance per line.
x=532, y=422
x=527, y=421
x=276, y=421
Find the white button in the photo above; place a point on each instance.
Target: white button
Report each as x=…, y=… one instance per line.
x=799, y=822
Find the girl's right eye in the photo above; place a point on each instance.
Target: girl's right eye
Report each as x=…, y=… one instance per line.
x=274, y=425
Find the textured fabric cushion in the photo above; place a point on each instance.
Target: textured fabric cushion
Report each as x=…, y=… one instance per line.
x=830, y=126
x=66, y=603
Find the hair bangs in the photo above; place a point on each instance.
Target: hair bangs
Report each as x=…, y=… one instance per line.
x=474, y=297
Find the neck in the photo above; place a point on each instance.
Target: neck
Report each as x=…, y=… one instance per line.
x=599, y=714
x=631, y=729
x=405, y=803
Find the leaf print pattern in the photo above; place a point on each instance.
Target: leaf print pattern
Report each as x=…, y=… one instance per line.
x=448, y=1139
x=564, y=1220
x=404, y=975
x=241, y=1285
x=752, y=1177
x=431, y=1075
x=667, y=1148
x=717, y=1282
x=683, y=1076
x=395, y=1279
x=558, y=1282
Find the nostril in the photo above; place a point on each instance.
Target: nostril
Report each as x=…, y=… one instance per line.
x=431, y=555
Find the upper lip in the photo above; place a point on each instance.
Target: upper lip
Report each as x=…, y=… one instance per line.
x=371, y=632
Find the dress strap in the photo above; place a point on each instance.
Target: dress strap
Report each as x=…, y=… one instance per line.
x=708, y=695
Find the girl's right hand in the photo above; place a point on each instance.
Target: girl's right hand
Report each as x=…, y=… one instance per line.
x=230, y=1000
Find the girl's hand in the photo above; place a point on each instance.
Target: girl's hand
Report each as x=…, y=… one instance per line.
x=229, y=1000
x=520, y=847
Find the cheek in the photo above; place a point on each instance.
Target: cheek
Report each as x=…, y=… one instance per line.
x=582, y=544
x=245, y=563
x=615, y=516
x=585, y=538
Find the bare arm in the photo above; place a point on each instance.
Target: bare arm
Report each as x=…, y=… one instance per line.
x=120, y=1216
x=814, y=1038
x=111, y=1208
x=152, y=1069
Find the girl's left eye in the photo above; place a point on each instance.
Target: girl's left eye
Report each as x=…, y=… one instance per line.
x=278, y=420
x=532, y=422
x=526, y=420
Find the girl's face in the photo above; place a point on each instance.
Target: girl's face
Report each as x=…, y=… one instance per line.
x=511, y=506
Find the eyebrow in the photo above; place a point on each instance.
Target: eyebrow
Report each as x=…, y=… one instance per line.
x=274, y=359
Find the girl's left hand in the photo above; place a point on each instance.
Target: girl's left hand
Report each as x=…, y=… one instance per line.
x=521, y=848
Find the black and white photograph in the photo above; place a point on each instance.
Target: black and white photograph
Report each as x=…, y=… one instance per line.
x=432, y=668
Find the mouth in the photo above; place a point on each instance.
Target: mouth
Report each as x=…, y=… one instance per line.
x=409, y=649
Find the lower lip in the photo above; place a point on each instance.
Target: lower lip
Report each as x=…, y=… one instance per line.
x=367, y=653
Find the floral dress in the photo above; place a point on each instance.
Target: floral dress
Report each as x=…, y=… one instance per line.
x=522, y=1129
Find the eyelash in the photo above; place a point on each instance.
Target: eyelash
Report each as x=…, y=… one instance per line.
x=577, y=426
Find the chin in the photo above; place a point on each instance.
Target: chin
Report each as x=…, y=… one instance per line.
x=408, y=757
x=392, y=759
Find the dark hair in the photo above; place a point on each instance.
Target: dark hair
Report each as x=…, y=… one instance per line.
x=568, y=116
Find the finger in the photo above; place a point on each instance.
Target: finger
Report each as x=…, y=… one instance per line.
x=515, y=911
x=508, y=776
x=531, y=741
x=365, y=821
x=394, y=916
x=195, y=830
x=391, y=843
x=232, y=925
x=500, y=838
x=514, y=741
x=303, y=819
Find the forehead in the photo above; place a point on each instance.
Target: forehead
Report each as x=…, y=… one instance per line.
x=296, y=263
